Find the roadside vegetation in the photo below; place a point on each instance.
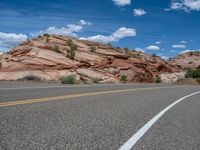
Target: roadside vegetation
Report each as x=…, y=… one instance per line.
x=56, y=48
x=154, y=55
x=93, y=48
x=109, y=44
x=68, y=79
x=47, y=37
x=158, y=80
x=123, y=78
x=71, y=52
x=195, y=74
x=126, y=50
x=95, y=80
x=30, y=78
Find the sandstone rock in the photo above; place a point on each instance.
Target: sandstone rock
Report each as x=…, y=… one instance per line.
x=172, y=77
x=41, y=58
x=91, y=74
x=91, y=59
x=186, y=60
x=111, y=53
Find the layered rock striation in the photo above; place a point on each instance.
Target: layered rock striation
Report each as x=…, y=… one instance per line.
x=52, y=56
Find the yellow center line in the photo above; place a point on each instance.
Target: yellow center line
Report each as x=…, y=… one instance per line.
x=56, y=98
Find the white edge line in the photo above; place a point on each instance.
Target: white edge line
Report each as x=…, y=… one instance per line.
x=139, y=134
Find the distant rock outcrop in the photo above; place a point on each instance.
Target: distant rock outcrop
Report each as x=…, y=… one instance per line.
x=186, y=60
x=52, y=56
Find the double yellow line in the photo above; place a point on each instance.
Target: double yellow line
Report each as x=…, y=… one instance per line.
x=56, y=98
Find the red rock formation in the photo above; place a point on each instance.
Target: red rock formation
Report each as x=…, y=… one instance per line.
x=49, y=60
x=186, y=60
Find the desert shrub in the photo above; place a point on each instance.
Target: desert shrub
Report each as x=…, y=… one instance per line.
x=47, y=39
x=153, y=55
x=71, y=53
x=46, y=35
x=72, y=49
x=123, y=78
x=198, y=67
x=190, y=62
x=193, y=73
x=30, y=78
x=56, y=48
x=93, y=48
x=196, y=74
x=126, y=50
x=189, y=73
x=109, y=44
x=0, y=64
x=198, y=80
x=68, y=79
x=95, y=80
x=70, y=43
x=158, y=80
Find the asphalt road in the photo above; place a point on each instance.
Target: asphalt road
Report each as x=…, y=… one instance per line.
x=35, y=116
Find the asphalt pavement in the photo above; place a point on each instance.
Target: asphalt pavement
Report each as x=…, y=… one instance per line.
x=43, y=116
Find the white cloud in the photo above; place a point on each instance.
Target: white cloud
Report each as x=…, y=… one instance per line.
x=165, y=57
x=187, y=51
x=116, y=36
x=179, y=46
x=122, y=2
x=186, y=5
x=83, y=22
x=139, y=49
x=153, y=48
x=68, y=30
x=139, y=12
x=183, y=42
x=9, y=40
x=158, y=42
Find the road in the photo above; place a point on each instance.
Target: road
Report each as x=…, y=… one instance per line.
x=38, y=116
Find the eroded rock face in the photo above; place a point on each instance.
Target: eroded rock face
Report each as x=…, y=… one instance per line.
x=172, y=77
x=186, y=60
x=49, y=58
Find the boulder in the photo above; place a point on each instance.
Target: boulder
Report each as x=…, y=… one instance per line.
x=172, y=77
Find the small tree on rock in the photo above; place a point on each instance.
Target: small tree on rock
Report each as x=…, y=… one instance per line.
x=123, y=78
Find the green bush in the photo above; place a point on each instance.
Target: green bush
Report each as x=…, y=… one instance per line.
x=96, y=80
x=56, y=48
x=109, y=44
x=154, y=55
x=68, y=79
x=158, y=80
x=46, y=35
x=93, y=48
x=126, y=50
x=70, y=43
x=47, y=39
x=30, y=78
x=123, y=78
x=193, y=73
x=72, y=49
x=198, y=67
x=198, y=80
x=196, y=74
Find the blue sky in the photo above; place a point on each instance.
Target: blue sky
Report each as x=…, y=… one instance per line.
x=164, y=27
